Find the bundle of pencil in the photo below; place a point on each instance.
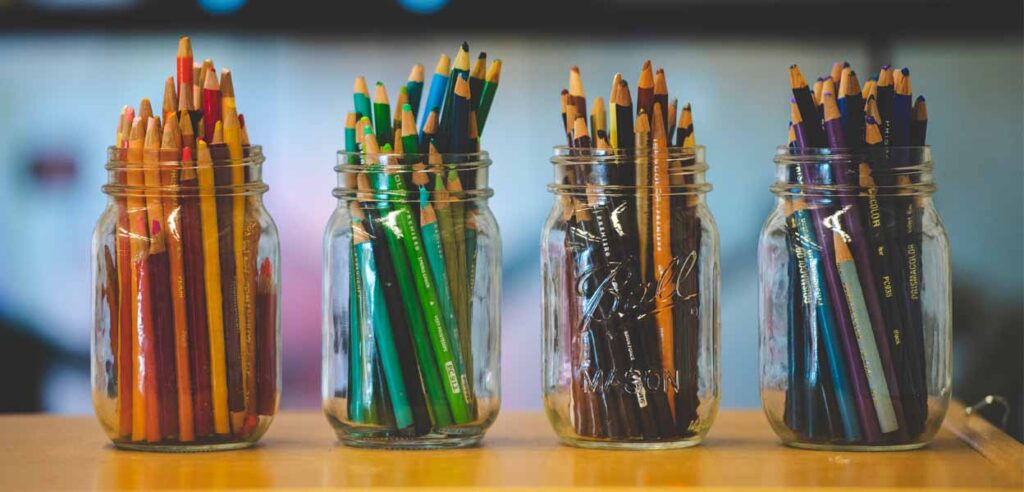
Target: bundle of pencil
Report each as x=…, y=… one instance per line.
x=635, y=314
x=856, y=335
x=193, y=319
x=414, y=250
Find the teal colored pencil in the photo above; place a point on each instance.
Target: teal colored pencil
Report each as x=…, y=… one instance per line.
x=374, y=306
x=356, y=406
x=361, y=100
x=800, y=223
x=355, y=376
x=414, y=87
x=460, y=68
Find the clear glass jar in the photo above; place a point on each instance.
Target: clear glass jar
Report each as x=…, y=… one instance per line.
x=855, y=338
x=629, y=260
x=186, y=337
x=412, y=297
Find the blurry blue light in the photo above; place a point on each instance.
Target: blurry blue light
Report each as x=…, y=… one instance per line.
x=221, y=7
x=423, y=6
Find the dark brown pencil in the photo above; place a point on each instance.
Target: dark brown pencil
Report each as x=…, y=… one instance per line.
x=229, y=279
x=645, y=90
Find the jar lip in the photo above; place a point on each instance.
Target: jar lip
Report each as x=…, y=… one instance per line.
x=919, y=155
x=447, y=158
x=564, y=151
x=116, y=161
x=627, y=190
x=783, y=190
x=410, y=196
x=351, y=162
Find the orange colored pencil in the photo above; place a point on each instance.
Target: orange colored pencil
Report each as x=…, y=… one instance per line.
x=662, y=246
x=139, y=245
x=170, y=154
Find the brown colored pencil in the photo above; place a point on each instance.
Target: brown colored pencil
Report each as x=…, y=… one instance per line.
x=164, y=399
x=642, y=130
x=645, y=90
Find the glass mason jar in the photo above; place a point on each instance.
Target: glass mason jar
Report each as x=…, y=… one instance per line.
x=411, y=307
x=855, y=338
x=629, y=260
x=185, y=345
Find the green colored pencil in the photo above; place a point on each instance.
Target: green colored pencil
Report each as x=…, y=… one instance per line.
x=435, y=257
x=487, y=95
x=382, y=115
x=402, y=216
x=476, y=79
x=436, y=405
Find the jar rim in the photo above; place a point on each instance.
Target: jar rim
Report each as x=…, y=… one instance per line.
x=400, y=162
x=565, y=155
x=116, y=162
x=627, y=190
x=919, y=157
x=119, y=169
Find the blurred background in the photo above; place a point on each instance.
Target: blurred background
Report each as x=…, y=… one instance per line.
x=67, y=67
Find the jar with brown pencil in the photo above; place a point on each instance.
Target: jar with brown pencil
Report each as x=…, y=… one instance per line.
x=629, y=260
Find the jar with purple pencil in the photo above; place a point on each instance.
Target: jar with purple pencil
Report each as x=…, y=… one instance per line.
x=855, y=330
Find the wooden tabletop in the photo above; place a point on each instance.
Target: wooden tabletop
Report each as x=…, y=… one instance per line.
x=299, y=451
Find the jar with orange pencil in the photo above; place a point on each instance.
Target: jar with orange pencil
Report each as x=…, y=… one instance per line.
x=629, y=264
x=186, y=275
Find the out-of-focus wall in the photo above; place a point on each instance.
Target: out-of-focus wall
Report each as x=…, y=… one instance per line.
x=62, y=94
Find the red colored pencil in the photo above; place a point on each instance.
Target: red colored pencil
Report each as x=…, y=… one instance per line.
x=211, y=104
x=184, y=66
x=266, y=339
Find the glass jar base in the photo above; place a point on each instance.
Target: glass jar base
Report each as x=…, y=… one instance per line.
x=413, y=443
x=183, y=447
x=630, y=445
x=855, y=447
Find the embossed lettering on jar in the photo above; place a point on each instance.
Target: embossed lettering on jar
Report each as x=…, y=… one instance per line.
x=630, y=277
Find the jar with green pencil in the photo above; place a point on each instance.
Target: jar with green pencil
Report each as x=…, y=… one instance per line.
x=855, y=332
x=412, y=259
x=629, y=265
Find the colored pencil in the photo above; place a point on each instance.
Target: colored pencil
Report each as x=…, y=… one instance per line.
x=414, y=88
x=487, y=94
